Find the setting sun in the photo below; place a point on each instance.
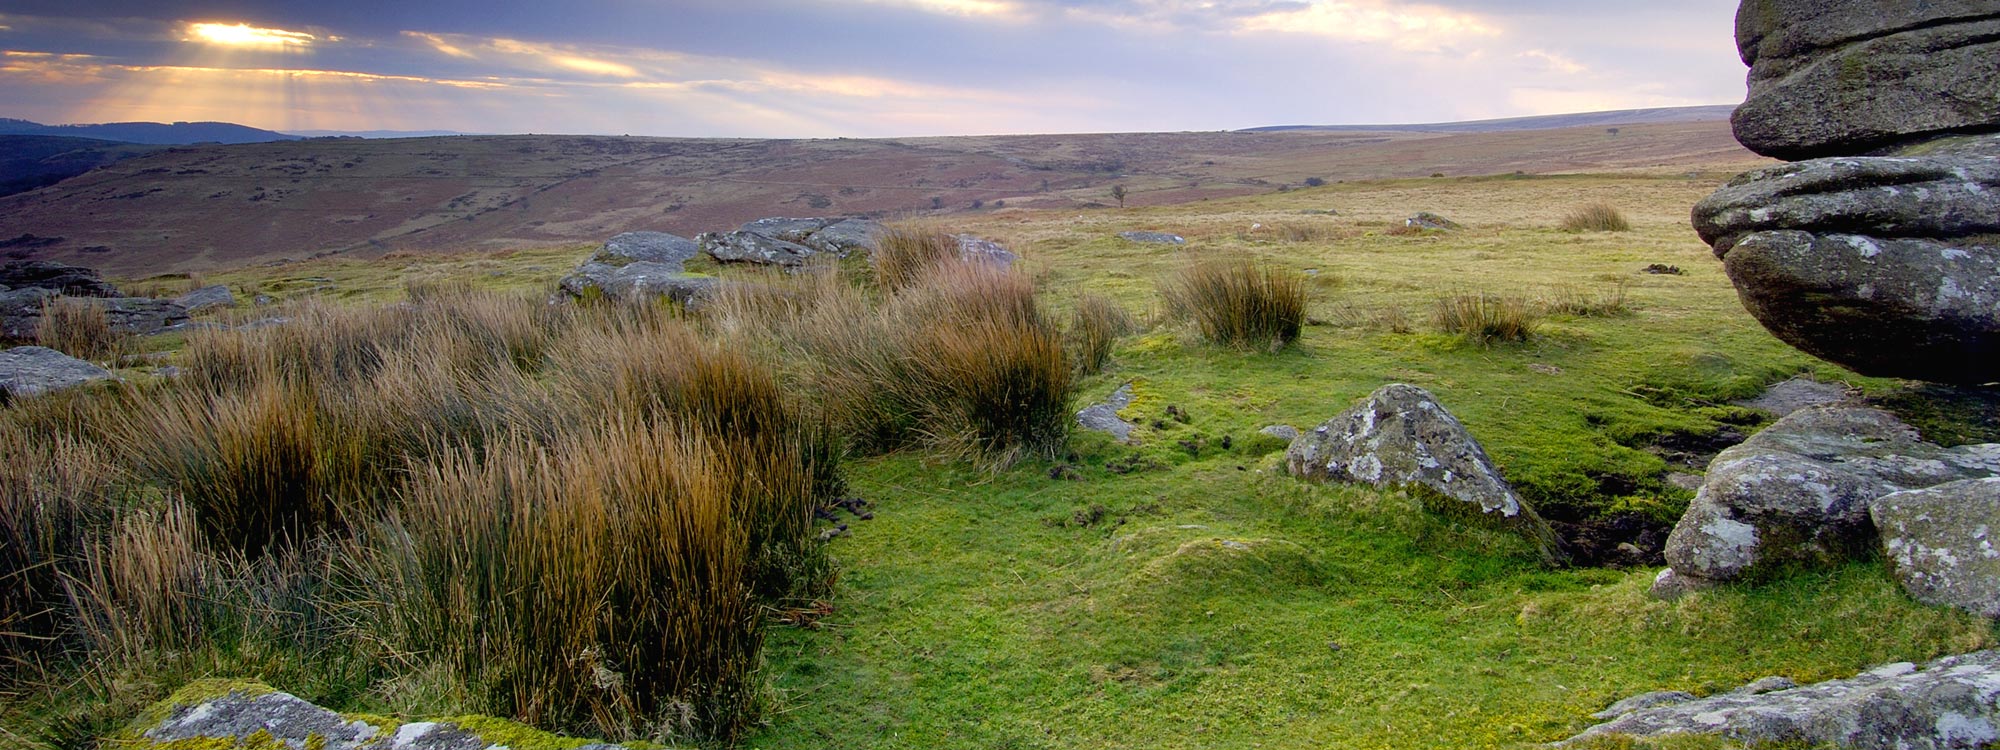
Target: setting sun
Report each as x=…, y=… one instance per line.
x=245, y=35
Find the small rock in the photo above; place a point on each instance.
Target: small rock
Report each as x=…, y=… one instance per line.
x=980, y=250
x=1401, y=436
x=1103, y=417
x=1941, y=542
x=1154, y=238
x=34, y=370
x=1281, y=431
x=1670, y=585
x=1661, y=269
x=1427, y=221
x=1781, y=399
x=1654, y=699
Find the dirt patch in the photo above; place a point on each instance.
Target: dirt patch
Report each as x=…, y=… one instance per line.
x=1622, y=540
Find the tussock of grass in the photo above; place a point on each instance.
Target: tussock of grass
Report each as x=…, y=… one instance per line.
x=1584, y=302
x=1486, y=317
x=904, y=254
x=1094, y=326
x=80, y=328
x=1596, y=217
x=1237, y=302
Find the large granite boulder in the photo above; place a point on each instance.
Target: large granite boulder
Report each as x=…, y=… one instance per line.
x=1799, y=492
x=638, y=281
x=1948, y=703
x=35, y=370
x=74, y=281
x=1400, y=436
x=652, y=247
x=846, y=236
x=1833, y=77
x=1878, y=253
x=21, y=312
x=789, y=242
x=213, y=297
x=1941, y=543
x=750, y=247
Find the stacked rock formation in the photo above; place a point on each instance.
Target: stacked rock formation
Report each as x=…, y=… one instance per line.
x=1879, y=247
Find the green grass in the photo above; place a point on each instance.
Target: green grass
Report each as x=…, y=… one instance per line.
x=1181, y=592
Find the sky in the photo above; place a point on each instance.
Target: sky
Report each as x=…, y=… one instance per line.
x=854, y=68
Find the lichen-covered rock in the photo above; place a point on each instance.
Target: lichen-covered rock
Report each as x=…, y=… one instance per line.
x=1948, y=703
x=1783, y=398
x=846, y=236
x=974, y=249
x=1283, y=432
x=1400, y=436
x=751, y=247
x=73, y=281
x=1832, y=77
x=1103, y=417
x=1427, y=221
x=1799, y=492
x=1153, y=238
x=21, y=312
x=637, y=281
x=34, y=370
x=214, y=713
x=652, y=247
x=1941, y=542
x=206, y=298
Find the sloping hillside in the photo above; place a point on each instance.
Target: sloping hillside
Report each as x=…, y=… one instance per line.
x=193, y=208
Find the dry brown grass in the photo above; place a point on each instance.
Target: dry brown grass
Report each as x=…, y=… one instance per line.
x=903, y=254
x=1486, y=318
x=1094, y=326
x=80, y=328
x=1596, y=217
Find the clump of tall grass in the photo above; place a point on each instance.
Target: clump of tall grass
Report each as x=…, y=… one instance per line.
x=903, y=255
x=1239, y=302
x=80, y=328
x=54, y=496
x=600, y=584
x=1486, y=318
x=1570, y=299
x=1094, y=326
x=1596, y=217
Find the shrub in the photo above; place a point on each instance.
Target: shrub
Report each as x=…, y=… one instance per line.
x=1094, y=326
x=904, y=254
x=1596, y=217
x=79, y=328
x=1486, y=317
x=1238, y=302
x=599, y=585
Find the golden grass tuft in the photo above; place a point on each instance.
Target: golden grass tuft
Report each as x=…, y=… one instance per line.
x=1486, y=318
x=1239, y=302
x=1596, y=217
x=1094, y=326
x=904, y=254
x=80, y=328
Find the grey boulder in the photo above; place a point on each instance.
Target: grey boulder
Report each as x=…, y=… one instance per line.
x=34, y=370
x=21, y=312
x=1103, y=417
x=74, y=281
x=1799, y=493
x=1948, y=703
x=653, y=247
x=1427, y=221
x=206, y=298
x=845, y=237
x=638, y=281
x=750, y=247
x=1400, y=436
x=1940, y=541
x=974, y=249
x=1154, y=238
x=1830, y=77
x=255, y=715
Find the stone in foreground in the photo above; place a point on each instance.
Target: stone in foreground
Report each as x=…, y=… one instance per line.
x=216, y=714
x=1799, y=492
x=1103, y=417
x=1400, y=436
x=1946, y=704
x=1941, y=542
x=35, y=370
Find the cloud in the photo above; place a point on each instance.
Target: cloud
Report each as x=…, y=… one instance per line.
x=245, y=35
x=1402, y=25
x=1554, y=61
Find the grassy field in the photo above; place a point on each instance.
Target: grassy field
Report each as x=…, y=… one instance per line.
x=1182, y=591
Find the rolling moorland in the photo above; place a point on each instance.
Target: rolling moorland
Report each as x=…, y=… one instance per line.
x=199, y=208
x=1069, y=591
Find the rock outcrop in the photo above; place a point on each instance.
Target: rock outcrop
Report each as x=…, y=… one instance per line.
x=34, y=370
x=1400, y=436
x=975, y=249
x=651, y=247
x=207, y=714
x=1800, y=491
x=641, y=265
x=1941, y=543
x=74, y=281
x=789, y=242
x=1948, y=703
x=1430, y=222
x=206, y=298
x=1153, y=238
x=1879, y=251
x=21, y=312
x=1103, y=416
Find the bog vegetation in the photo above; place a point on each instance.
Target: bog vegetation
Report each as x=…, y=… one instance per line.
x=446, y=496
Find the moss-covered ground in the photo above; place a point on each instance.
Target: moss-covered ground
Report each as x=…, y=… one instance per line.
x=1183, y=592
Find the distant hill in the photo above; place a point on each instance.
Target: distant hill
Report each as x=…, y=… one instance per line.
x=374, y=133
x=1618, y=118
x=201, y=207
x=179, y=133
x=28, y=162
